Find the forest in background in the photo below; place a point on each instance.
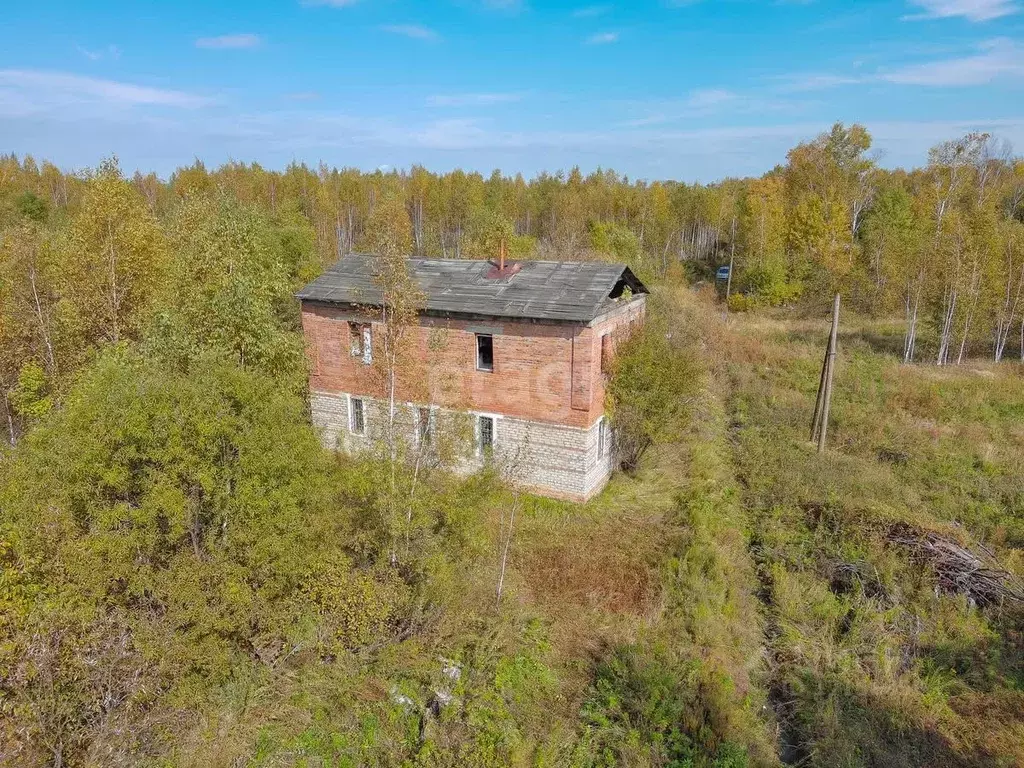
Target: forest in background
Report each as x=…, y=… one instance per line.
x=189, y=579
x=941, y=245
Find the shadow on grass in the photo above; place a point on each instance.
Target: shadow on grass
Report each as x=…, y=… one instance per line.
x=840, y=725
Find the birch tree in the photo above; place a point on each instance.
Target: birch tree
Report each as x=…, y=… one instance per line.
x=1012, y=279
x=388, y=234
x=115, y=257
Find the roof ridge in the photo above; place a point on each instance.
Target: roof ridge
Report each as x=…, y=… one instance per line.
x=557, y=291
x=442, y=259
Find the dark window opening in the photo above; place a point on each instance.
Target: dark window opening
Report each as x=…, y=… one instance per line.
x=485, y=434
x=484, y=352
x=424, y=425
x=357, y=423
x=355, y=338
x=360, y=341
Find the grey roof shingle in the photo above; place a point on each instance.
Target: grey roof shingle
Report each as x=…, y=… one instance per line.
x=542, y=290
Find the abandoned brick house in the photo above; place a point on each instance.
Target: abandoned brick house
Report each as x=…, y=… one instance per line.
x=520, y=350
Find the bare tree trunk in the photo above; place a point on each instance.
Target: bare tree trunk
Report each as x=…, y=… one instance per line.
x=1007, y=312
x=949, y=306
x=43, y=325
x=506, y=538
x=115, y=300
x=830, y=367
x=195, y=526
x=975, y=292
x=392, y=446
x=913, y=303
x=412, y=492
x=417, y=226
x=11, y=437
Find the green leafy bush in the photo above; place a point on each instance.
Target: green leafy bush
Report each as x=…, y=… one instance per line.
x=651, y=390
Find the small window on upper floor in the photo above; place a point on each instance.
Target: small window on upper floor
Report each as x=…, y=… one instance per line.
x=484, y=352
x=360, y=341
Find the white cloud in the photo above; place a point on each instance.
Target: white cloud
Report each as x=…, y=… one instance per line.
x=815, y=82
x=473, y=99
x=603, y=38
x=414, y=31
x=700, y=103
x=591, y=11
x=110, y=52
x=996, y=59
x=973, y=10
x=709, y=97
x=999, y=58
x=505, y=5
x=230, y=41
x=25, y=92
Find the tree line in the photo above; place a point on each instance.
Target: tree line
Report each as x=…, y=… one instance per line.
x=86, y=256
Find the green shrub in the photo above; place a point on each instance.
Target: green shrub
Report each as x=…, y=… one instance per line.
x=653, y=383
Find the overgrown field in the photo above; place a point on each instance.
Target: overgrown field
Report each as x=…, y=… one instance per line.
x=875, y=656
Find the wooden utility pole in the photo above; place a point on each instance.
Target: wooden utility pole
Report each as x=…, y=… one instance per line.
x=819, y=427
x=732, y=260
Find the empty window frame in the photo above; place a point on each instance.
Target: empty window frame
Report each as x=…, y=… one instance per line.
x=360, y=341
x=604, y=442
x=484, y=352
x=485, y=434
x=424, y=426
x=356, y=417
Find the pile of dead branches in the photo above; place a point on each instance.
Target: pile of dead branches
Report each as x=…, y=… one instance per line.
x=973, y=572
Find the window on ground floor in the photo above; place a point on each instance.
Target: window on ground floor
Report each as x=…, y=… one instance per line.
x=356, y=417
x=485, y=434
x=604, y=438
x=424, y=426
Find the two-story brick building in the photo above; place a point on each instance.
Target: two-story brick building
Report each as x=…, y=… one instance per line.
x=523, y=349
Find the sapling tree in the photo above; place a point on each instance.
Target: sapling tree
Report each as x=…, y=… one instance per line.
x=514, y=469
x=388, y=235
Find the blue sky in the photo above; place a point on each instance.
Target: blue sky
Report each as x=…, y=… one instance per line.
x=683, y=89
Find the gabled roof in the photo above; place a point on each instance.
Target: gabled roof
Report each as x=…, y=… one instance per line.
x=562, y=291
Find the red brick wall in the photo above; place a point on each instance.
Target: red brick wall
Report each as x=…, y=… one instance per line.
x=542, y=371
